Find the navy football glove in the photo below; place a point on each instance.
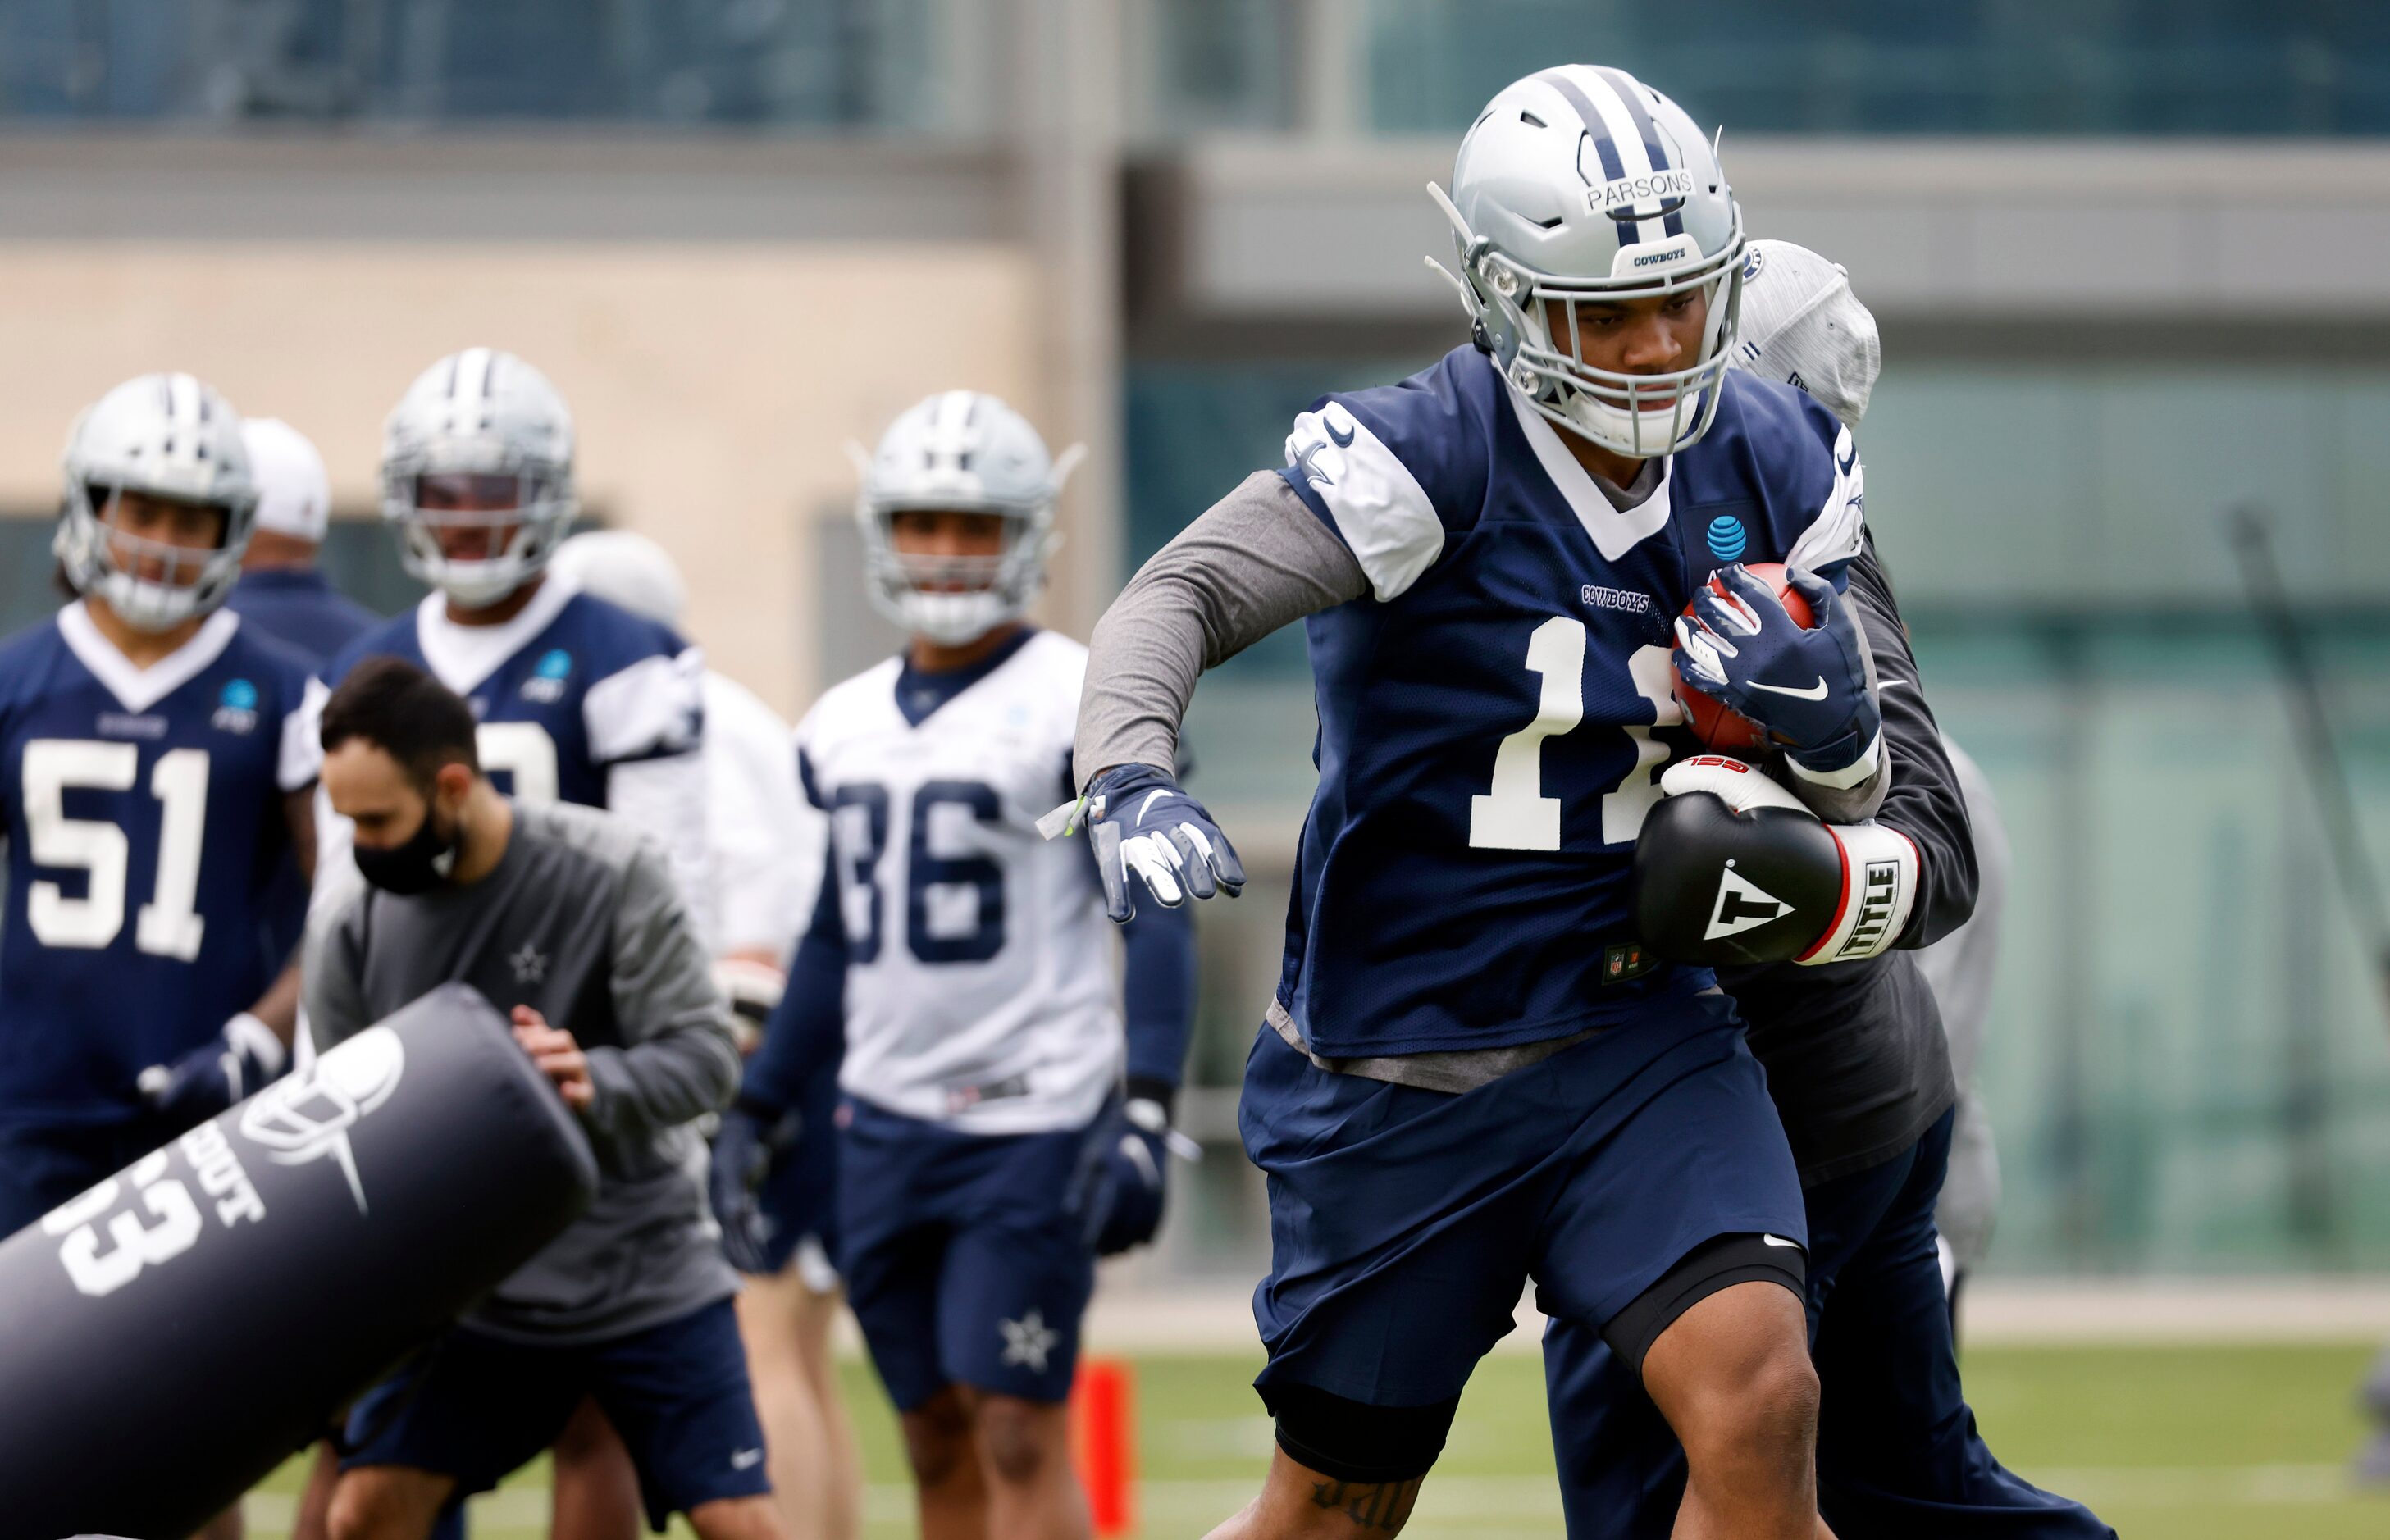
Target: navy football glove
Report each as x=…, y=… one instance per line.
x=1144, y=826
x=750, y=1139
x=231, y=1065
x=1805, y=684
x=1117, y=1192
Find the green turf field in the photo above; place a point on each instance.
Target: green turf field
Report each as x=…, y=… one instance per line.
x=2168, y=1444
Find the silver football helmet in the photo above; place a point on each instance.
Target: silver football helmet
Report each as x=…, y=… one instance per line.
x=1802, y=325
x=165, y=435
x=963, y=451
x=625, y=568
x=1582, y=184
x=487, y=425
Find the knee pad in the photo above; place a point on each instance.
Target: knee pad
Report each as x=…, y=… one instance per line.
x=1718, y=1262
x=1353, y=1441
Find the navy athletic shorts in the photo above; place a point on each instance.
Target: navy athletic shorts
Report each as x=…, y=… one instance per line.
x=473, y=1408
x=1404, y=1223
x=962, y=1265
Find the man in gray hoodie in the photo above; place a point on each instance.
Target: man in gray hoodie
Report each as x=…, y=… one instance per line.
x=571, y=921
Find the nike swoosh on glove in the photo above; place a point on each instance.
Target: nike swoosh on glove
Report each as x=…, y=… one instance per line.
x=1117, y=1192
x=1805, y=684
x=234, y=1063
x=750, y=1139
x=1145, y=827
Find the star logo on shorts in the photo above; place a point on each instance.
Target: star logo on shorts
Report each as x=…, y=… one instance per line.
x=1028, y=1341
x=531, y=966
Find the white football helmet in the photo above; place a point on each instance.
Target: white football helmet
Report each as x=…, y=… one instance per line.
x=962, y=451
x=167, y=435
x=625, y=568
x=294, y=495
x=1802, y=325
x=1580, y=183
x=490, y=415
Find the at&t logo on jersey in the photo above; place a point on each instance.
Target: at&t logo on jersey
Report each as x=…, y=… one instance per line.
x=236, y=707
x=1726, y=537
x=545, y=684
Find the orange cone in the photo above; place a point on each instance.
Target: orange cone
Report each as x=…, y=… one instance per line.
x=1103, y=1441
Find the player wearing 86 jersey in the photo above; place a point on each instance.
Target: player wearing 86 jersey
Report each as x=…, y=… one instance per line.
x=150, y=779
x=986, y=1152
x=1472, y=1075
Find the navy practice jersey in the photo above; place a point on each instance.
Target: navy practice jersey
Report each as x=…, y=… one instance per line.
x=565, y=691
x=144, y=818
x=1494, y=717
x=299, y=608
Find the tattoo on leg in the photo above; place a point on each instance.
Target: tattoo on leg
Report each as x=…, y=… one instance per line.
x=1371, y=1504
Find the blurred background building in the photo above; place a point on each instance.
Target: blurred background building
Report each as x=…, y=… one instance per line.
x=2127, y=256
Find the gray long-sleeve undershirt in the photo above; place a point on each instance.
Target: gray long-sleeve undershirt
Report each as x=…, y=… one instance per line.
x=1256, y=560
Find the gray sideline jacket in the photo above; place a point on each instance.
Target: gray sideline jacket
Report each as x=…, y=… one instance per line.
x=580, y=919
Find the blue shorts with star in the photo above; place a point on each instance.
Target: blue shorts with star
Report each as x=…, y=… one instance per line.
x=1404, y=1223
x=962, y=1265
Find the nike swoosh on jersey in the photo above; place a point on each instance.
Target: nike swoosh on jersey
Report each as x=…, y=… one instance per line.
x=1814, y=692
x=746, y=1460
x=1780, y=1240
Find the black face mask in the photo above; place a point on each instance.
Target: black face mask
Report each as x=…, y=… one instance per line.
x=421, y=863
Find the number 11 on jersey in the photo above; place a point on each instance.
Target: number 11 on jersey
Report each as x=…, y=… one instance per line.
x=1514, y=813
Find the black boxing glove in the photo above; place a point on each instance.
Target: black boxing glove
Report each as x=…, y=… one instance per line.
x=1731, y=870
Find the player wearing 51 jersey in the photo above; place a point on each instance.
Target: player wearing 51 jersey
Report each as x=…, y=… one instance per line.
x=150, y=779
x=578, y=700
x=153, y=772
x=1472, y=1076
x=961, y=965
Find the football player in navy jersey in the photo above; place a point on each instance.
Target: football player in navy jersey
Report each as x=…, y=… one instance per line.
x=578, y=700
x=151, y=775
x=1473, y=1075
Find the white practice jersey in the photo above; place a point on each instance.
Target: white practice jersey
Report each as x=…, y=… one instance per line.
x=981, y=988
x=766, y=838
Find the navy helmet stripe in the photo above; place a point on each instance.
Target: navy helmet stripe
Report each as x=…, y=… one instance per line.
x=1612, y=168
x=1624, y=85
